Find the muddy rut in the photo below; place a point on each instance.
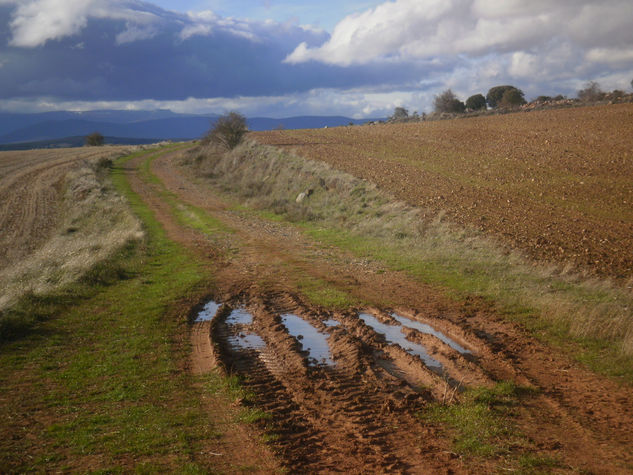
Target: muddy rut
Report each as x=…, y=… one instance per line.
x=344, y=391
x=343, y=396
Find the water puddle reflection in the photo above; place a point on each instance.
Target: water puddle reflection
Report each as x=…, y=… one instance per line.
x=248, y=341
x=429, y=330
x=331, y=323
x=208, y=311
x=393, y=334
x=311, y=339
x=239, y=316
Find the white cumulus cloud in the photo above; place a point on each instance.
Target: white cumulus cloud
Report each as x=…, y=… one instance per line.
x=409, y=30
x=35, y=22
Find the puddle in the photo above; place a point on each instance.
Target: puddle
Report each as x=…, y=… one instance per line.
x=208, y=311
x=248, y=341
x=310, y=338
x=331, y=323
x=239, y=316
x=429, y=330
x=393, y=334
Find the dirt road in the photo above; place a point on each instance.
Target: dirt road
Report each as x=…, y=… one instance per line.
x=349, y=391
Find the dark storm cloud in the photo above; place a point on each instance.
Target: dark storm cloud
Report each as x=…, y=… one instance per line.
x=143, y=52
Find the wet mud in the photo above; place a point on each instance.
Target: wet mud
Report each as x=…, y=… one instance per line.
x=344, y=390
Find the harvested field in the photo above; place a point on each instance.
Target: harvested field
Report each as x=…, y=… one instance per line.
x=56, y=217
x=557, y=184
x=31, y=189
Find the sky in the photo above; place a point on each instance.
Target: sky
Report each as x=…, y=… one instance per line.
x=357, y=58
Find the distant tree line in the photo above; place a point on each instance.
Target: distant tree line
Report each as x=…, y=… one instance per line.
x=504, y=97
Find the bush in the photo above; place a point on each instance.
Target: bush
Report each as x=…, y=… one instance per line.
x=228, y=131
x=591, y=92
x=448, y=102
x=476, y=102
x=496, y=93
x=95, y=139
x=400, y=113
x=512, y=98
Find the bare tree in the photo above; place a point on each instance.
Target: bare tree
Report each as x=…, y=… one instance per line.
x=591, y=92
x=228, y=131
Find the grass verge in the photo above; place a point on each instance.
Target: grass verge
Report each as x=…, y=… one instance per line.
x=102, y=386
x=482, y=426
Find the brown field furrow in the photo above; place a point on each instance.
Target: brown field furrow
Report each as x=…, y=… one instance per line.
x=558, y=184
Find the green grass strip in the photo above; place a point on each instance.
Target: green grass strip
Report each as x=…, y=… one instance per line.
x=99, y=386
x=186, y=214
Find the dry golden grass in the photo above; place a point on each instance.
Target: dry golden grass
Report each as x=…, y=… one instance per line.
x=90, y=222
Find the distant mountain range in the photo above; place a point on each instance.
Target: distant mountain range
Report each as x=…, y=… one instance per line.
x=19, y=131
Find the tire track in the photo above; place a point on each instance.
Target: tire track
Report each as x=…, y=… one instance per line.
x=352, y=416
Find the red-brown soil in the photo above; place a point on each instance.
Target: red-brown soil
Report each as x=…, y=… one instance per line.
x=556, y=184
x=360, y=414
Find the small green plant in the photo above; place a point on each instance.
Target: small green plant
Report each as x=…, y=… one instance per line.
x=250, y=415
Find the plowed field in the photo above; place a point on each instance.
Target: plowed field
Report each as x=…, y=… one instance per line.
x=558, y=184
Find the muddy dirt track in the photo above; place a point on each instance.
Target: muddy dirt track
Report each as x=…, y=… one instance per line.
x=31, y=185
x=557, y=184
x=345, y=390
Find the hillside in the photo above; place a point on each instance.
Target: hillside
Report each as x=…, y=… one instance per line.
x=555, y=184
x=137, y=125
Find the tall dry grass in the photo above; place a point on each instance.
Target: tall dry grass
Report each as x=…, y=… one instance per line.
x=96, y=223
x=369, y=220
